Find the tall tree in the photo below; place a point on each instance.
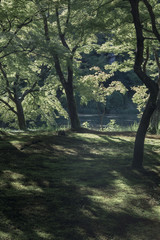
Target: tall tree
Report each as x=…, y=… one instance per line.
x=65, y=34
x=122, y=41
x=139, y=70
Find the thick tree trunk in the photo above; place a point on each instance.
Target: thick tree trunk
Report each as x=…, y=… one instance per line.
x=141, y=133
x=68, y=87
x=72, y=108
x=20, y=115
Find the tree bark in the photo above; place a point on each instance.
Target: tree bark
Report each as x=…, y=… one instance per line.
x=141, y=133
x=68, y=87
x=72, y=109
x=155, y=118
x=20, y=116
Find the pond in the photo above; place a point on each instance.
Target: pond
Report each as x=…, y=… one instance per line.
x=98, y=121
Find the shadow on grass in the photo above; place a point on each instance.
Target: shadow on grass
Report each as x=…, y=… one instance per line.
x=71, y=188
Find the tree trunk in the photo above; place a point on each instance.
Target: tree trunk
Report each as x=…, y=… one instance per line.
x=141, y=133
x=68, y=87
x=155, y=117
x=72, y=108
x=20, y=115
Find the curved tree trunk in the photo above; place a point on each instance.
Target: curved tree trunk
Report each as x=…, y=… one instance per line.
x=140, y=136
x=139, y=68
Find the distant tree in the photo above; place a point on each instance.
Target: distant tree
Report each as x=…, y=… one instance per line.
x=23, y=96
x=12, y=96
x=64, y=29
x=13, y=18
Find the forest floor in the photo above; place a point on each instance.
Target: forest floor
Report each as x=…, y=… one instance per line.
x=78, y=187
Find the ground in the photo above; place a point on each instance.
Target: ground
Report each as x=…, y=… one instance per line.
x=78, y=187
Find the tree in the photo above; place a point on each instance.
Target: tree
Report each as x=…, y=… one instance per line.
x=11, y=94
x=139, y=70
x=11, y=22
x=27, y=97
x=122, y=41
x=64, y=35
x=22, y=93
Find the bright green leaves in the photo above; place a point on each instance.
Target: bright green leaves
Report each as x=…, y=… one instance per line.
x=91, y=87
x=140, y=98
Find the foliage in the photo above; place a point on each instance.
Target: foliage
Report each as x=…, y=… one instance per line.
x=86, y=124
x=45, y=105
x=111, y=126
x=36, y=101
x=140, y=97
x=91, y=87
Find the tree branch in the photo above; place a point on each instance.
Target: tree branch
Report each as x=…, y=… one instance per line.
x=153, y=19
x=68, y=15
x=26, y=22
x=151, y=85
x=8, y=105
x=146, y=60
x=7, y=83
x=61, y=35
x=158, y=64
x=59, y=70
x=17, y=51
x=46, y=29
x=150, y=38
x=31, y=90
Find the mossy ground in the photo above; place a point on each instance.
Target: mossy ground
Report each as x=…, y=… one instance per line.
x=78, y=187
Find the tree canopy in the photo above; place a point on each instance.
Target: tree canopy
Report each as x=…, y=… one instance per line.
x=42, y=50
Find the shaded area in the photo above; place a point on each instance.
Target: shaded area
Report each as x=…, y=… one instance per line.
x=78, y=186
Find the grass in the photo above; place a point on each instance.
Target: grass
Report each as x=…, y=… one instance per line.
x=78, y=187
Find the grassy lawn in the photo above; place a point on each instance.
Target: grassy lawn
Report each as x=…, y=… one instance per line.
x=78, y=187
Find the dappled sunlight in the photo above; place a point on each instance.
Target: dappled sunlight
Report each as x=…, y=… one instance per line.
x=67, y=151
x=4, y=235
x=88, y=137
x=76, y=187
x=17, y=181
x=19, y=186
x=44, y=235
x=156, y=210
x=8, y=174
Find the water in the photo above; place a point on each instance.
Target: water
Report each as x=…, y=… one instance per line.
x=98, y=121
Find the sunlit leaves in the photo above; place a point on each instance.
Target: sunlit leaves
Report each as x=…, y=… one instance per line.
x=140, y=98
x=91, y=87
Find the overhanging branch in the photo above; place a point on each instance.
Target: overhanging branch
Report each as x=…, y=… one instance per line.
x=153, y=19
x=8, y=105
